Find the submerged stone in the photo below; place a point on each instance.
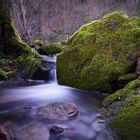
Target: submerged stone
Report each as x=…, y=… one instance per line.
x=56, y=129
x=100, y=52
x=33, y=131
x=58, y=111
x=4, y=134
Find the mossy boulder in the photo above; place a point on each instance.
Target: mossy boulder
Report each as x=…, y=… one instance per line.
x=52, y=48
x=10, y=43
x=100, y=52
x=48, y=49
x=13, y=50
x=123, y=108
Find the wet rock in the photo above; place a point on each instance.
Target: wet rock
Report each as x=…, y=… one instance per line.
x=101, y=121
x=33, y=131
x=4, y=134
x=56, y=129
x=28, y=107
x=69, y=133
x=62, y=131
x=138, y=67
x=58, y=111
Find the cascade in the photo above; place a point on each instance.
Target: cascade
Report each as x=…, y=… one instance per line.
x=51, y=59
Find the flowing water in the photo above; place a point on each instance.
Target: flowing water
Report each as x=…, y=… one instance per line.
x=16, y=104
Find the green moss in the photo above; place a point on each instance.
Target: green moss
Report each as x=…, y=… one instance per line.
x=12, y=73
x=12, y=45
x=125, y=107
x=6, y=25
x=3, y=75
x=32, y=64
x=100, y=52
x=128, y=77
x=39, y=42
x=2, y=62
x=133, y=100
x=129, y=90
x=52, y=48
x=49, y=48
x=12, y=48
x=126, y=124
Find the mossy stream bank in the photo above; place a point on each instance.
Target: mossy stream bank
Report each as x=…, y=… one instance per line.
x=123, y=109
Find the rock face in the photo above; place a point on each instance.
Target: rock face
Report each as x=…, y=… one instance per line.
x=33, y=131
x=123, y=108
x=57, y=20
x=58, y=111
x=100, y=52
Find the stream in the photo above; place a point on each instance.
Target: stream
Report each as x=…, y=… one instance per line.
x=19, y=109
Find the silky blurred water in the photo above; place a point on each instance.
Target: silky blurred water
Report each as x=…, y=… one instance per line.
x=86, y=126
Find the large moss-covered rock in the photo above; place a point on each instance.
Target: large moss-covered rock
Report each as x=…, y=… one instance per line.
x=123, y=108
x=100, y=52
x=14, y=53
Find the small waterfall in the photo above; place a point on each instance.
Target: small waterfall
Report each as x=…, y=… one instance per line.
x=52, y=66
x=52, y=73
